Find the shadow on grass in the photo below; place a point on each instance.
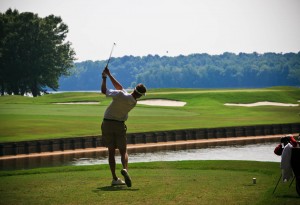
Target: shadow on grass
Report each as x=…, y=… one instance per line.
x=114, y=188
x=285, y=196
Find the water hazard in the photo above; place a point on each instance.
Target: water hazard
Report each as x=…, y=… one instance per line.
x=253, y=152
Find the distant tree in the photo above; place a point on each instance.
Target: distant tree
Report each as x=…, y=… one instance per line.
x=226, y=70
x=34, y=53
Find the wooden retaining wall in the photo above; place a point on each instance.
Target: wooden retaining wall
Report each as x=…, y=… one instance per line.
x=51, y=145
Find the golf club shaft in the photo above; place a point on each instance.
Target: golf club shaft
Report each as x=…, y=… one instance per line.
x=110, y=54
x=277, y=183
x=292, y=181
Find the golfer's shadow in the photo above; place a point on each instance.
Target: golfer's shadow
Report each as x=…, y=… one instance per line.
x=115, y=188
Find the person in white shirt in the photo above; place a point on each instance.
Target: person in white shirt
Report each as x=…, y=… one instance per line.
x=113, y=126
x=286, y=168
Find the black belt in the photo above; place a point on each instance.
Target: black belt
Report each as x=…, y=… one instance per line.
x=105, y=119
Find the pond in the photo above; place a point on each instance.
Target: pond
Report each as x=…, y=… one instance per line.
x=253, y=152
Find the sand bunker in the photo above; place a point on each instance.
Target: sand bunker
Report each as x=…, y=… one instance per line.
x=262, y=104
x=78, y=103
x=161, y=102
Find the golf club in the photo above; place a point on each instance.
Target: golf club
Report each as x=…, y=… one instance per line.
x=277, y=183
x=292, y=181
x=110, y=54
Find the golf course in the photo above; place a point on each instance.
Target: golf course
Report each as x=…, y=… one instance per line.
x=179, y=182
x=182, y=182
x=26, y=118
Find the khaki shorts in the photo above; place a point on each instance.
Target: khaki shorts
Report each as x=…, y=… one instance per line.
x=114, y=134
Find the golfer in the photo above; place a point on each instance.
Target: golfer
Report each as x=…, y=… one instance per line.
x=113, y=125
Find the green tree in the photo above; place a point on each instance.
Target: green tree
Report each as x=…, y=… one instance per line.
x=34, y=52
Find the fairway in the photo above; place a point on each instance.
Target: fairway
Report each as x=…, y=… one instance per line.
x=185, y=182
x=24, y=118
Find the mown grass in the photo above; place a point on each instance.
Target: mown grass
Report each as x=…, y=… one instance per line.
x=24, y=118
x=185, y=182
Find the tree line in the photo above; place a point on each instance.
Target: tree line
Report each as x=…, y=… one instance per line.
x=228, y=70
x=33, y=52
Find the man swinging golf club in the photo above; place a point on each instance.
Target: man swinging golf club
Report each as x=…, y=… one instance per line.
x=113, y=126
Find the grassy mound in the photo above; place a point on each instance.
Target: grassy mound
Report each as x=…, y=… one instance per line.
x=185, y=182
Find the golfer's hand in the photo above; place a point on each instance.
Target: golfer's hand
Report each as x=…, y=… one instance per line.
x=106, y=71
x=104, y=75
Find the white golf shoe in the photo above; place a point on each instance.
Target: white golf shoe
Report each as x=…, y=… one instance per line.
x=117, y=182
x=127, y=177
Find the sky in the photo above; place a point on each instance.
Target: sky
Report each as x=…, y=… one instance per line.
x=172, y=27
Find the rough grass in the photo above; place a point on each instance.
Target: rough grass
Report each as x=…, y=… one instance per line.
x=185, y=182
x=24, y=118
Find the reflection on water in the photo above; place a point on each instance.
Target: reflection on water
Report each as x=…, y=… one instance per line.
x=256, y=152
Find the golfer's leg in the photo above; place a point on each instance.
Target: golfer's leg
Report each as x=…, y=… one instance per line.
x=124, y=158
x=112, y=162
x=124, y=171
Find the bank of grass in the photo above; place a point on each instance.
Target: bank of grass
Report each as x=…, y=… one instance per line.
x=24, y=118
x=185, y=182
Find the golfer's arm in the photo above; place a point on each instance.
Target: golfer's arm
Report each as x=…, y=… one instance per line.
x=103, y=86
x=115, y=83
